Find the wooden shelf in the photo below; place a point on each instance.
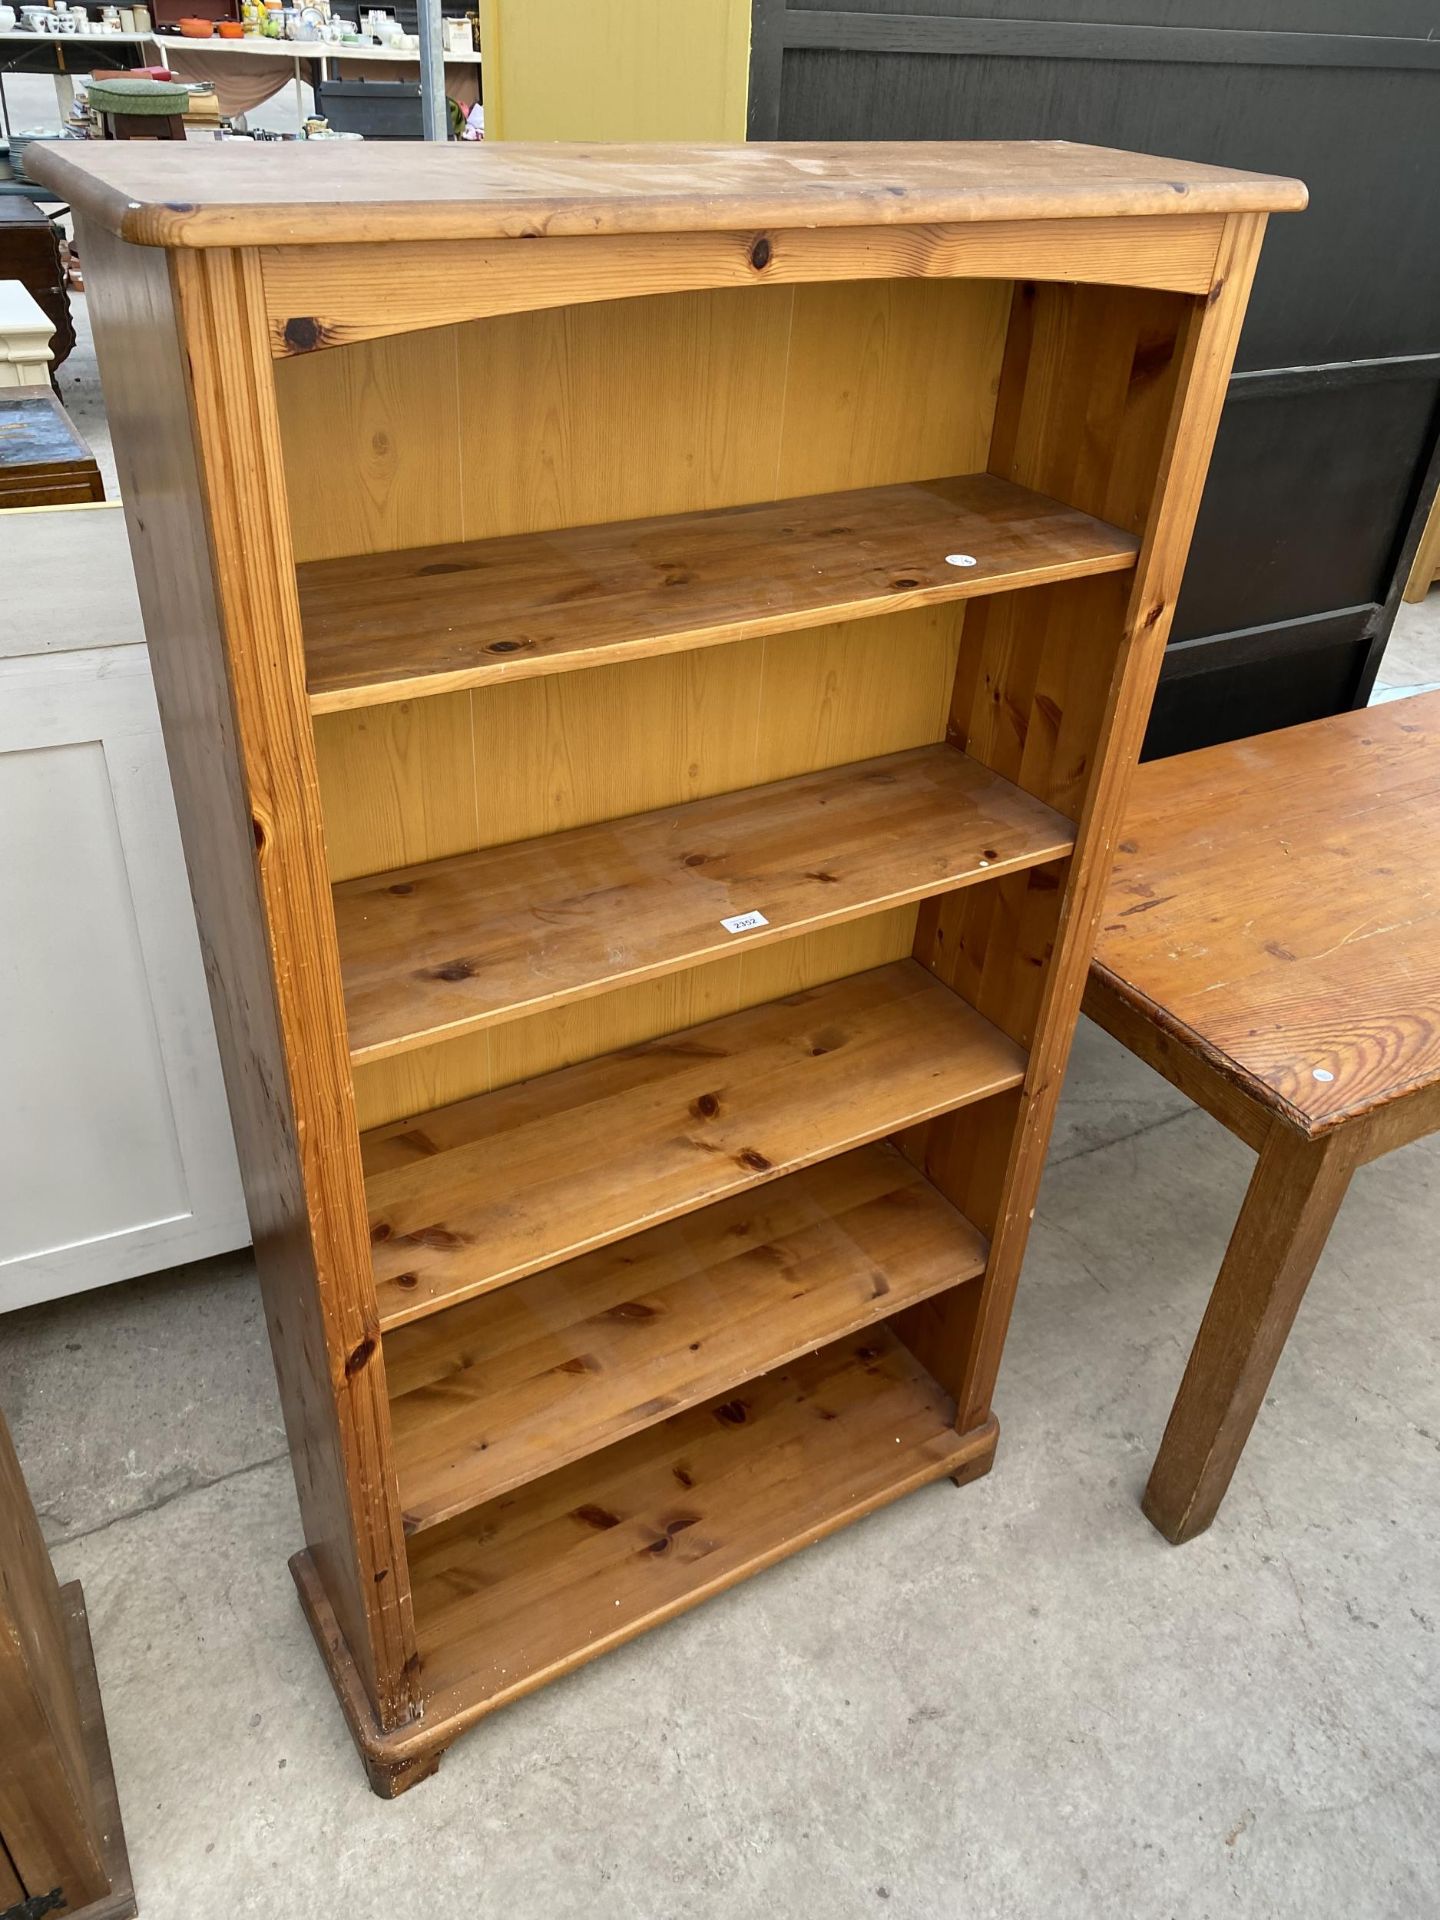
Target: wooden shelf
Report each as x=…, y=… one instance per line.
x=391, y=626
x=535, y=1584
x=471, y=1196
x=506, y=1388
x=432, y=952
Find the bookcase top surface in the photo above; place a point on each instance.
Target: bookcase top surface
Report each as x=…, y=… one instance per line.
x=246, y=194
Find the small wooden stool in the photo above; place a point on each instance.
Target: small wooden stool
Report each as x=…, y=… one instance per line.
x=1271, y=944
x=139, y=109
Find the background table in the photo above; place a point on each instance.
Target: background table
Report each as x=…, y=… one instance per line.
x=1271, y=944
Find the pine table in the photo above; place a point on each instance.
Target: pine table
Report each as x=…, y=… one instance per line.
x=1271, y=944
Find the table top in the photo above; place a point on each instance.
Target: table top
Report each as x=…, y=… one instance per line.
x=238, y=194
x=1276, y=906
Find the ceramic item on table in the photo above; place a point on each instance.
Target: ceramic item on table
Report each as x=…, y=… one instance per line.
x=197, y=29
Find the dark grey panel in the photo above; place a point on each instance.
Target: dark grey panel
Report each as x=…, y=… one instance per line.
x=1233, y=684
x=1326, y=457
x=1309, y=493
x=1109, y=41
x=1342, y=281
x=1414, y=18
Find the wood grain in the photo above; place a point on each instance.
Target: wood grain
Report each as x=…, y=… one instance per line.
x=1134, y=1024
x=1291, y=1205
x=259, y=196
x=544, y=1042
x=1275, y=908
x=537, y=1583
x=431, y=952
x=1159, y=456
x=1134, y=385
x=198, y=456
x=434, y=619
x=468, y=1197
x=119, y=1903
x=327, y=296
x=503, y=1389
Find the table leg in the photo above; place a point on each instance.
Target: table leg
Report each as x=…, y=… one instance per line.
x=1294, y=1195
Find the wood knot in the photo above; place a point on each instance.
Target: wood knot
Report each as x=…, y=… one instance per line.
x=401, y=886
x=509, y=646
x=302, y=334
x=706, y=1107
x=359, y=1356
x=600, y=1518
x=753, y=1159
x=731, y=1413
x=440, y=1238
x=760, y=254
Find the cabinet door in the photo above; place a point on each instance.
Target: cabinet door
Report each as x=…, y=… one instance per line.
x=116, y=1155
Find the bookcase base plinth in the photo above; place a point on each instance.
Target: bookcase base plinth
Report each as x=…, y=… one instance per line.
x=825, y=1472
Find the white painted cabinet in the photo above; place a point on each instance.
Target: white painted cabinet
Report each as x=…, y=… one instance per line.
x=117, y=1156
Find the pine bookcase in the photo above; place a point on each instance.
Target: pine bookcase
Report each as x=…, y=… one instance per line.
x=651, y=645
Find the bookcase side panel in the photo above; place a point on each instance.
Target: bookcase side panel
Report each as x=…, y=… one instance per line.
x=1109, y=401
x=1131, y=442
x=189, y=396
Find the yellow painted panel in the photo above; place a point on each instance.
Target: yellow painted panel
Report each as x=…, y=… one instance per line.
x=615, y=69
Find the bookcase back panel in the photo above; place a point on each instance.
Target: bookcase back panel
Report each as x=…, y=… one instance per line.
x=420, y=779
x=669, y=404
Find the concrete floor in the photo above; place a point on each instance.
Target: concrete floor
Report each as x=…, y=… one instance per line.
x=1009, y=1701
